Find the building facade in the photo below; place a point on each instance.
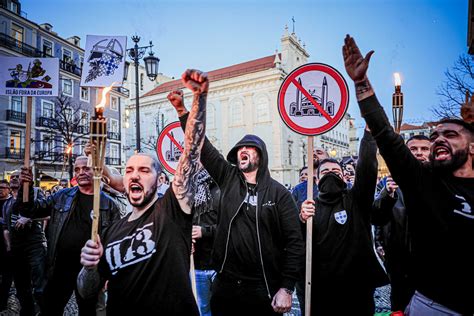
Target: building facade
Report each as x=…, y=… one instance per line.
x=242, y=99
x=60, y=125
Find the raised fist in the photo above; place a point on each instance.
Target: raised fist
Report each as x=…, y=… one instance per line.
x=176, y=98
x=196, y=81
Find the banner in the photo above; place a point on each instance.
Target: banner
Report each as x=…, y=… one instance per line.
x=23, y=76
x=104, y=61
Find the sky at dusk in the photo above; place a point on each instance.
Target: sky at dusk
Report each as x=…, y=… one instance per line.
x=418, y=38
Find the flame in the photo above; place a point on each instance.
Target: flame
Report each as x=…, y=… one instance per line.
x=68, y=149
x=397, y=79
x=103, y=101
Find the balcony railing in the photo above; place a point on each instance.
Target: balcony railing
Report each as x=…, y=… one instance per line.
x=70, y=67
x=47, y=122
x=14, y=44
x=113, y=135
x=112, y=161
x=54, y=156
x=16, y=116
x=123, y=91
x=14, y=153
x=83, y=129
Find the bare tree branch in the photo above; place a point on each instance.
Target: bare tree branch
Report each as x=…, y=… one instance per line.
x=459, y=79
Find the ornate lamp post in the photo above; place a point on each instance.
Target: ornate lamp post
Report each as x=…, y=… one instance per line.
x=397, y=103
x=151, y=67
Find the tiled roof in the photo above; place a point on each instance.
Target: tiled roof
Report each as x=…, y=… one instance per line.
x=406, y=127
x=221, y=74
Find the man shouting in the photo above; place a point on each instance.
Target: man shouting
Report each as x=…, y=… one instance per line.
x=146, y=256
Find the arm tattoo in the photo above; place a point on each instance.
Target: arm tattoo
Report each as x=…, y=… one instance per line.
x=189, y=164
x=88, y=282
x=363, y=89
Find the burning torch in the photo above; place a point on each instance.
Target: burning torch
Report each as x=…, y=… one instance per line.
x=98, y=138
x=397, y=103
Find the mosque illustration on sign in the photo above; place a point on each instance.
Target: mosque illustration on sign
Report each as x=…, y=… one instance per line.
x=173, y=153
x=304, y=107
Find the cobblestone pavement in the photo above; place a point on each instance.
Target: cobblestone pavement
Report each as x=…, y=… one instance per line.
x=381, y=296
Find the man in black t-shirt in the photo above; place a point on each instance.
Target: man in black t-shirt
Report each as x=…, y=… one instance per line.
x=146, y=256
x=439, y=196
x=69, y=227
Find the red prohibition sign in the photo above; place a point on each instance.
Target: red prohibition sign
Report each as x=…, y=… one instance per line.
x=169, y=158
x=313, y=114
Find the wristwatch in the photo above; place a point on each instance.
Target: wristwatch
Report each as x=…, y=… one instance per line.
x=288, y=291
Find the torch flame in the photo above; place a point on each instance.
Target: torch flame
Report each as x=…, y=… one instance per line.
x=103, y=101
x=397, y=79
x=68, y=149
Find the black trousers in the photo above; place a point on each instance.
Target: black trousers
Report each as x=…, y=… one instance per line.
x=58, y=290
x=342, y=300
x=6, y=276
x=232, y=296
x=28, y=273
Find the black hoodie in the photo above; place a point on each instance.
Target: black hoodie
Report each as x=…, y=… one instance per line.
x=281, y=247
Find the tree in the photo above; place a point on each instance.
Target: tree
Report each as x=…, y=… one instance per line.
x=66, y=128
x=459, y=80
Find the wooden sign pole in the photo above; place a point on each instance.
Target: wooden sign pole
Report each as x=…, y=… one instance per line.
x=309, y=230
x=192, y=272
x=29, y=111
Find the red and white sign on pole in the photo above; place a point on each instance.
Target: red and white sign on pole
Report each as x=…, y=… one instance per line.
x=312, y=100
x=169, y=146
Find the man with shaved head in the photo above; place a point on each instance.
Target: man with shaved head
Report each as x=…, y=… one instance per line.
x=145, y=257
x=438, y=195
x=69, y=228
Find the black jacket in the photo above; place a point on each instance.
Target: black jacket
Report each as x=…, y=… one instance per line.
x=281, y=247
x=441, y=217
x=59, y=207
x=343, y=254
x=206, y=217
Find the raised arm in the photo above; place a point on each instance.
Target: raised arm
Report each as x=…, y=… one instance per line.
x=366, y=173
x=404, y=167
x=184, y=186
x=211, y=158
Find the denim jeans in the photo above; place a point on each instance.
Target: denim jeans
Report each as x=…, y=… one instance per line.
x=204, y=279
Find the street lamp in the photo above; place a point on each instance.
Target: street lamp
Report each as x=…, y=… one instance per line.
x=151, y=67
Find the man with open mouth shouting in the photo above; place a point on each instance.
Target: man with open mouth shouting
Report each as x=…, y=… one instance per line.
x=146, y=256
x=439, y=197
x=258, y=250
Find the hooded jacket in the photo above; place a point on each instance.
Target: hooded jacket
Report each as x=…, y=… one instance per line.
x=280, y=243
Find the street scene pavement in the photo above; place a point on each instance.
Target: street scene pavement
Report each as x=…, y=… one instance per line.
x=381, y=296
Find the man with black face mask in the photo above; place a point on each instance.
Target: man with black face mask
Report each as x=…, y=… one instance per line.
x=345, y=269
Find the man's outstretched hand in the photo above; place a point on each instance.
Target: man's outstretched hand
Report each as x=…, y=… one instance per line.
x=196, y=81
x=356, y=65
x=176, y=99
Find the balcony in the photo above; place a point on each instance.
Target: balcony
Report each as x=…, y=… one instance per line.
x=20, y=47
x=112, y=161
x=84, y=130
x=14, y=153
x=113, y=135
x=16, y=116
x=70, y=67
x=123, y=91
x=53, y=156
x=47, y=122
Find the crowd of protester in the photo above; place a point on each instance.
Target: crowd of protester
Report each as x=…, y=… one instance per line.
x=246, y=232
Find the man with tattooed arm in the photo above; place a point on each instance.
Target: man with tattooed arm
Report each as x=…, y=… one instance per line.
x=145, y=256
